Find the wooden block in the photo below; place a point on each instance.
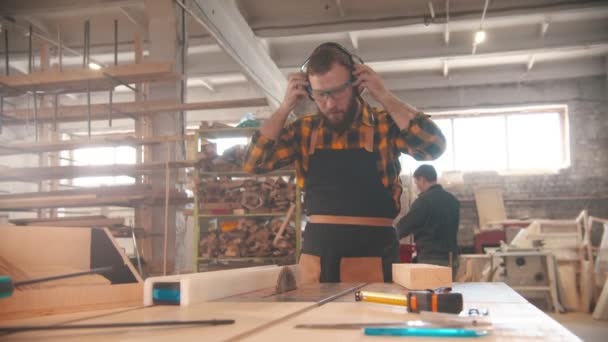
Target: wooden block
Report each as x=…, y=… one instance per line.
x=422, y=276
x=601, y=308
x=207, y=286
x=569, y=296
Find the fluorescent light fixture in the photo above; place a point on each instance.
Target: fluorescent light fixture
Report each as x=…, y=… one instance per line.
x=94, y=66
x=480, y=36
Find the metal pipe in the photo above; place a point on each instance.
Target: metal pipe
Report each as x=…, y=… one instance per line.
x=89, y=108
x=55, y=109
x=115, y=42
x=35, y=116
x=88, y=42
x=29, y=51
x=110, y=106
x=1, y=112
x=6, y=54
x=182, y=95
x=84, y=47
x=60, y=49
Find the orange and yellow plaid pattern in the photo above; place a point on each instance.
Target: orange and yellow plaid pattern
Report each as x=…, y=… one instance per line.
x=422, y=140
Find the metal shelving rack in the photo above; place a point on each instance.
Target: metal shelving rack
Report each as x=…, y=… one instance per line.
x=216, y=133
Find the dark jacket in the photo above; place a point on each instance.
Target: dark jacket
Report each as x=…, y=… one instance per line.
x=433, y=219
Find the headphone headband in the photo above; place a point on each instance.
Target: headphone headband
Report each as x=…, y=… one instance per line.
x=353, y=57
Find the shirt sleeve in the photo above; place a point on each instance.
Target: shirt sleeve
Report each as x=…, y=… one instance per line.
x=414, y=220
x=422, y=139
x=265, y=155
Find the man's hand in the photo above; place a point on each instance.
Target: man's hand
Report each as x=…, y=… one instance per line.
x=296, y=90
x=368, y=79
x=400, y=111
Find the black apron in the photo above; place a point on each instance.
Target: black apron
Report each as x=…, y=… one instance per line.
x=347, y=182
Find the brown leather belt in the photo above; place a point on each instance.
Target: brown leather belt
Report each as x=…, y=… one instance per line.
x=352, y=220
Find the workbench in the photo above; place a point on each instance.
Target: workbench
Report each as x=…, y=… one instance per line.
x=261, y=316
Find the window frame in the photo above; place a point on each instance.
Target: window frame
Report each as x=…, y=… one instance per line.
x=505, y=112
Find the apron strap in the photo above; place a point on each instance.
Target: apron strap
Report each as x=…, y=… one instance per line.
x=369, y=138
x=313, y=141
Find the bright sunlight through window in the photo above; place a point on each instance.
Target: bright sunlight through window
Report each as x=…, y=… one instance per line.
x=524, y=141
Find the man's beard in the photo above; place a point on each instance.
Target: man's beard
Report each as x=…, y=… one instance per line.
x=349, y=116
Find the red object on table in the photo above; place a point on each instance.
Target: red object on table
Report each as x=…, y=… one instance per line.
x=406, y=251
x=488, y=238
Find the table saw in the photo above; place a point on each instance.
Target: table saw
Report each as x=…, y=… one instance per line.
x=263, y=315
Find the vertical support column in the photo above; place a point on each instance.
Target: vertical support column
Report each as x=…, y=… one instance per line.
x=46, y=131
x=143, y=213
x=163, y=46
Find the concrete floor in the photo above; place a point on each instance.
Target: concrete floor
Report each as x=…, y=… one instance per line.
x=583, y=325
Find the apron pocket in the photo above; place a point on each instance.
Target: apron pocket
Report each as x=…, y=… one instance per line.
x=310, y=268
x=361, y=269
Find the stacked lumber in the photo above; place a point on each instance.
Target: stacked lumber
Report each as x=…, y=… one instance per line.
x=249, y=238
x=122, y=196
x=122, y=110
x=222, y=195
x=79, y=80
x=72, y=221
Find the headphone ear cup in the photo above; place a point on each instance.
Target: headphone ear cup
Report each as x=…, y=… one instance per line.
x=308, y=92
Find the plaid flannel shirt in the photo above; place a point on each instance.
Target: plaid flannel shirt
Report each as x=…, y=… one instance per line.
x=422, y=140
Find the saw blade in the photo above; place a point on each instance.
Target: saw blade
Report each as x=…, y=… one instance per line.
x=286, y=281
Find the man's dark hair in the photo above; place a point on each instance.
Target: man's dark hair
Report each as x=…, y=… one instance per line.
x=324, y=56
x=427, y=172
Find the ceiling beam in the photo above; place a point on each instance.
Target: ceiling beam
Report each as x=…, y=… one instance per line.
x=499, y=75
x=223, y=20
x=518, y=14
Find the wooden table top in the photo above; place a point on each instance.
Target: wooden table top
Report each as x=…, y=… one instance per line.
x=513, y=318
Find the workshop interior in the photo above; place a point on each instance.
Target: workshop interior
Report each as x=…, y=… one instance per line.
x=330, y=170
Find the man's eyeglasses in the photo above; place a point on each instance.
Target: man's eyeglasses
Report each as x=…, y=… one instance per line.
x=324, y=95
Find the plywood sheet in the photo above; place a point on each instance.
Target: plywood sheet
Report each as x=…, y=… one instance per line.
x=490, y=205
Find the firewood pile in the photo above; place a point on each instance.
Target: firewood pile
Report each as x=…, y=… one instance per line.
x=250, y=238
x=223, y=195
x=231, y=160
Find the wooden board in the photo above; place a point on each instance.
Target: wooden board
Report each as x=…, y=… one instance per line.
x=24, y=148
x=422, y=276
x=77, y=80
x=202, y=287
x=601, y=308
x=248, y=316
x=511, y=321
x=490, y=205
x=35, y=174
x=123, y=110
x=74, y=221
x=127, y=196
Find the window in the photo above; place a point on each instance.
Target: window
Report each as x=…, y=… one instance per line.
x=521, y=140
x=101, y=156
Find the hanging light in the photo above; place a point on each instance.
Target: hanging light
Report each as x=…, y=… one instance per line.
x=94, y=66
x=480, y=36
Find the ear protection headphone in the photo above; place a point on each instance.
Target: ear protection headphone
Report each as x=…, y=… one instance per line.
x=353, y=59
